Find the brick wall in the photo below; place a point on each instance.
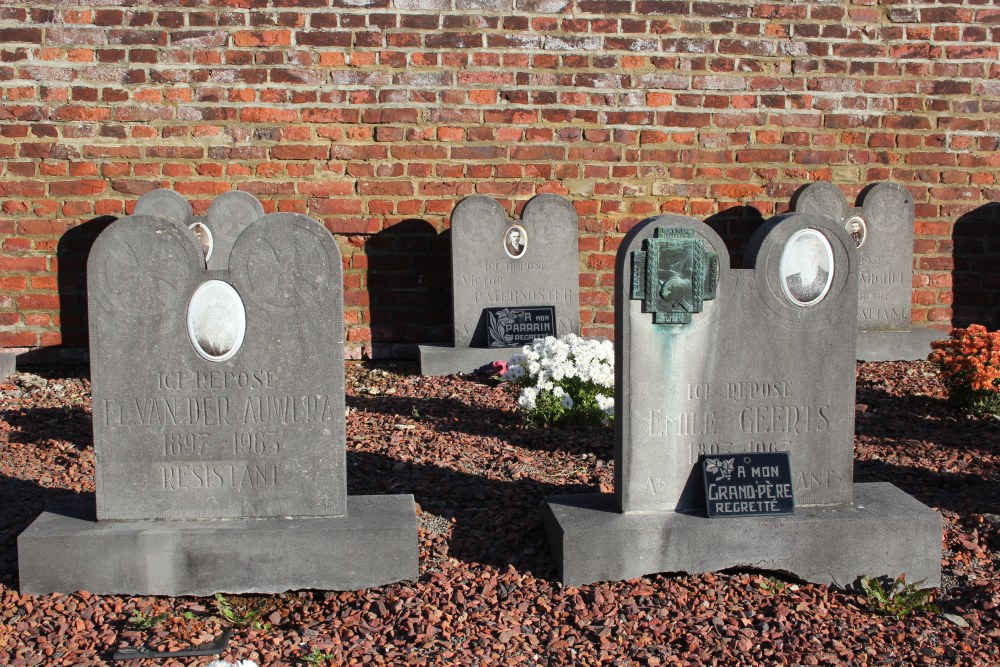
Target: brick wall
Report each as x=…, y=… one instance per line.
x=377, y=116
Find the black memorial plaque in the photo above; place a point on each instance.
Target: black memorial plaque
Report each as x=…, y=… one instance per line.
x=748, y=484
x=513, y=327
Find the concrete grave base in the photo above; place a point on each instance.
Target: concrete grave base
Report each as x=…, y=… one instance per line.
x=66, y=550
x=911, y=345
x=446, y=360
x=885, y=532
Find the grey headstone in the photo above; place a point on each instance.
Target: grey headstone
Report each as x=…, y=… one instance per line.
x=228, y=215
x=484, y=275
x=218, y=403
x=882, y=225
x=885, y=290
x=752, y=372
x=489, y=272
x=8, y=364
x=712, y=361
x=181, y=430
x=165, y=204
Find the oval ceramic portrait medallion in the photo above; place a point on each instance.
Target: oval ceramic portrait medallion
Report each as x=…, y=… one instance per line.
x=515, y=241
x=204, y=236
x=806, y=267
x=858, y=229
x=216, y=320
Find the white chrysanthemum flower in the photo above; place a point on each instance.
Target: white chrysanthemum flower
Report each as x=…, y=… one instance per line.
x=558, y=392
x=605, y=404
x=513, y=373
x=567, y=401
x=528, y=398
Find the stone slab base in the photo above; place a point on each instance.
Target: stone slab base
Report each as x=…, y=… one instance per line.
x=886, y=532
x=909, y=345
x=446, y=360
x=66, y=550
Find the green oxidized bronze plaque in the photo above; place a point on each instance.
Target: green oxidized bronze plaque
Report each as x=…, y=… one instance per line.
x=674, y=275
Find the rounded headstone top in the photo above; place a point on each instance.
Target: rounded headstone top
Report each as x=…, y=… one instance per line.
x=138, y=265
x=556, y=214
x=887, y=203
x=802, y=263
x=164, y=203
x=820, y=198
x=231, y=212
x=286, y=263
x=478, y=217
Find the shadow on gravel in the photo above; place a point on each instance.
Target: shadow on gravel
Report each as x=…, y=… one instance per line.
x=956, y=492
x=498, y=523
x=49, y=371
x=449, y=414
x=22, y=501
x=926, y=419
x=34, y=425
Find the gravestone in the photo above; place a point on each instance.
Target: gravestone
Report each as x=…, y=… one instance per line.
x=219, y=421
x=8, y=364
x=719, y=363
x=881, y=227
x=500, y=264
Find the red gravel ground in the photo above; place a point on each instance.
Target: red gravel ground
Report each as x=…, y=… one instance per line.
x=486, y=593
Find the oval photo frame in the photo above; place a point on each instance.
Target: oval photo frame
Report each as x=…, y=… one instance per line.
x=806, y=267
x=858, y=229
x=216, y=320
x=204, y=236
x=515, y=241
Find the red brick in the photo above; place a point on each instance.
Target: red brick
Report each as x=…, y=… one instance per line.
x=300, y=152
x=18, y=339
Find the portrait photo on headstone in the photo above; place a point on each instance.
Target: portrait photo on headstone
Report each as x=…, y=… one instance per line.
x=806, y=267
x=515, y=241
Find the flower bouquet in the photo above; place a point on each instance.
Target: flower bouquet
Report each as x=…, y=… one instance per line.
x=970, y=367
x=564, y=380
